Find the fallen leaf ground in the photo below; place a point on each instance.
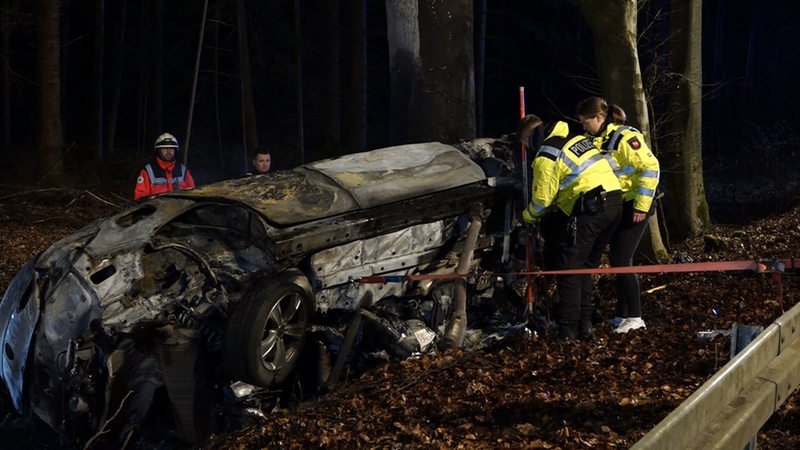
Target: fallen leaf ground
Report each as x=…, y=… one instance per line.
x=529, y=392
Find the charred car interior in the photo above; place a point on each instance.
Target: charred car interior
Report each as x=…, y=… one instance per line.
x=215, y=296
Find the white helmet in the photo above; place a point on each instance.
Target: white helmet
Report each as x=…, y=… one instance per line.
x=166, y=140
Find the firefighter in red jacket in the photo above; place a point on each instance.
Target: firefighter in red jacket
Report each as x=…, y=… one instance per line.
x=164, y=173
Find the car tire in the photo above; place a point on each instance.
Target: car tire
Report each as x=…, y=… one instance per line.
x=267, y=330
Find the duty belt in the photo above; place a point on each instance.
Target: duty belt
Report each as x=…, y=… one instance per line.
x=593, y=201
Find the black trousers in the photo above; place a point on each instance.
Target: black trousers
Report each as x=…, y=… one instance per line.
x=552, y=227
x=582, y=249
x=624, y=242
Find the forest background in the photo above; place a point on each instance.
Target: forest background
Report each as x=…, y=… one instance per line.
x=312, y=79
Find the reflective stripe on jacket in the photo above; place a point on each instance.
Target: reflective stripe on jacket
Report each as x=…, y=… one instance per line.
x=160, y=176
x=566, y=165
x=633, y=162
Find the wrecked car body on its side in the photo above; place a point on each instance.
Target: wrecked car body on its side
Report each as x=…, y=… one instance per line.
x=221, y=284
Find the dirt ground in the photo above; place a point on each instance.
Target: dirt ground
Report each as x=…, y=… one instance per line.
x=526, y=393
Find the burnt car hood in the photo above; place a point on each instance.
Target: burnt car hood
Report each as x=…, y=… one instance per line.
x=347, y=183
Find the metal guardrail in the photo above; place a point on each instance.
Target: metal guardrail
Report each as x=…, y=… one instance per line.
x=727, y=411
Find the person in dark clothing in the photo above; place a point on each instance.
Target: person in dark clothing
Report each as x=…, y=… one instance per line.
x=638, y=171
x=574, y=181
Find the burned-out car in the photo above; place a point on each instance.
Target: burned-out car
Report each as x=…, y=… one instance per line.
x=222, y=284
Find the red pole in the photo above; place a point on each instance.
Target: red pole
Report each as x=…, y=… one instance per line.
x=526, y=199
x=525, y=182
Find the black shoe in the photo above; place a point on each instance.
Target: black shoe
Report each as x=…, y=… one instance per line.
x=566, y=333
x=585, y=332
x=587, y=336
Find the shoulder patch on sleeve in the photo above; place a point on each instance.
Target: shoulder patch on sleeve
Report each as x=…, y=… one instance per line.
x=634, y=143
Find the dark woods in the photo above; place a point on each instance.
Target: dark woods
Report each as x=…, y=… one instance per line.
x=311, y=79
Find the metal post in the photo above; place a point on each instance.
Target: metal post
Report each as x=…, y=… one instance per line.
x=741, y=335
x=526, y=200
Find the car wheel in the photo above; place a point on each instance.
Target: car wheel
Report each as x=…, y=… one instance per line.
x=266, y=332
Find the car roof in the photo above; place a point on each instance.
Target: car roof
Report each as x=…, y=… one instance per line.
x=347, y=183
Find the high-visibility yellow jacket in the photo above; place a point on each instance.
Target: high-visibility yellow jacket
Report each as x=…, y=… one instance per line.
x=633, y=162
x=566, y=165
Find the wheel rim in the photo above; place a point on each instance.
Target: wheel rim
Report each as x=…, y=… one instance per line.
x=283, y=332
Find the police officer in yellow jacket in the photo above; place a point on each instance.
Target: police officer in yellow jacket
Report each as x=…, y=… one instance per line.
x=638, y=171
x=575, y=184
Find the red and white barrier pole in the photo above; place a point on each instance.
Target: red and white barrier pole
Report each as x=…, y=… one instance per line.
x=526, y=198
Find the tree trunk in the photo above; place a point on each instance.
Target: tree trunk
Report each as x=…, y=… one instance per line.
x=357, y=130
x=248, y=104
x=687, y=209
x=480, y=68
x=443, y=106
x=195, y=76
x=115, y=87
x=48, y=54
x=143, y=97
x=215, y=74
x=156, y=51
x=614, y=25
x=5, y=79
x=405, y=64
x=331, y=95
x=298, y=57
x=99, y=58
